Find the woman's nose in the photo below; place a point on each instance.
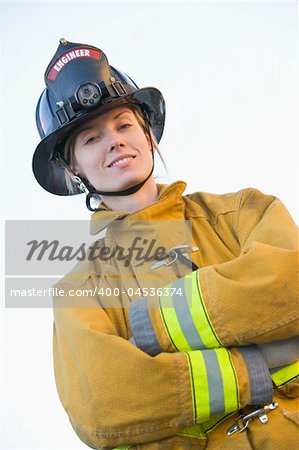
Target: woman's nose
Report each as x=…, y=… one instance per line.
x=115, y=142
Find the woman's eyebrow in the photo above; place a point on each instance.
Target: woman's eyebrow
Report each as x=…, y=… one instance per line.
x=84, y=130
x=91, y=127
x=127, y=111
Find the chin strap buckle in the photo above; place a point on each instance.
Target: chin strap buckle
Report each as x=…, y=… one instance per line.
x=243, y=421
x=81, y=185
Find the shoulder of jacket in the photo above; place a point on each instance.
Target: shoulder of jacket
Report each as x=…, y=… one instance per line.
x=211, y=205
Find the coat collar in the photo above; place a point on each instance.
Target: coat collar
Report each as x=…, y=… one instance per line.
x=168, y=201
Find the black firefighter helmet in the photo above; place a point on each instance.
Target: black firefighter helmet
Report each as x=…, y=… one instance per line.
x=80, y=84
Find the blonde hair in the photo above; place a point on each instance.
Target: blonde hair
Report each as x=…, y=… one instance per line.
x=71, y=181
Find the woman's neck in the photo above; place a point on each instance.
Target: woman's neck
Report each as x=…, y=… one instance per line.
x=147, y=195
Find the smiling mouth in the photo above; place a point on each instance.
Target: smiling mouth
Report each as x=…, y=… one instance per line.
x=121, y=161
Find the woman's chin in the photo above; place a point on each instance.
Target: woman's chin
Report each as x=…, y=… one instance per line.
x=119, y=186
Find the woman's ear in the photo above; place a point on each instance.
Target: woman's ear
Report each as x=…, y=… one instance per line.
x=75, y=176
x=76, y=168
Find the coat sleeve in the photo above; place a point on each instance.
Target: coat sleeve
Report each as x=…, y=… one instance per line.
x=114, y=393
x=251, y=299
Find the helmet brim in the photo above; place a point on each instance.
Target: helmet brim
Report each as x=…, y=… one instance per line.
x=50, y=175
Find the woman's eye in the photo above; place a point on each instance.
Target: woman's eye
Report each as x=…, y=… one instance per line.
x=125, y=126
x=91, y=140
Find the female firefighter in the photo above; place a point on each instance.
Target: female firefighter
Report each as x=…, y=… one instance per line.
x=184, y=337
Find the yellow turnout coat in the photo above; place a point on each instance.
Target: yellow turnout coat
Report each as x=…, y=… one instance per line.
x=140, y=366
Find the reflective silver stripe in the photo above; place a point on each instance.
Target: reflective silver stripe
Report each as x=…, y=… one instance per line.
x=259, y=375
x=142, y=328
x=182, y=308
x=216, y=392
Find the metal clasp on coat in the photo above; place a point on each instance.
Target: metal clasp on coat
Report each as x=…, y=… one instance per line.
x=172, y=255
x=243, y=421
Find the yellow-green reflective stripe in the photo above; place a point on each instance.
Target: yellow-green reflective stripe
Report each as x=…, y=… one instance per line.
x=200, y=315
x=214, y=386
x=229, y=381
x=201, y=400
x=185, y=317
x=285, y=374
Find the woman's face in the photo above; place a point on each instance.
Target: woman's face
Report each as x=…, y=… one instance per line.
x=112, y=151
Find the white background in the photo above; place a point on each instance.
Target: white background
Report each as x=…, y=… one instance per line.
x=228, y=73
